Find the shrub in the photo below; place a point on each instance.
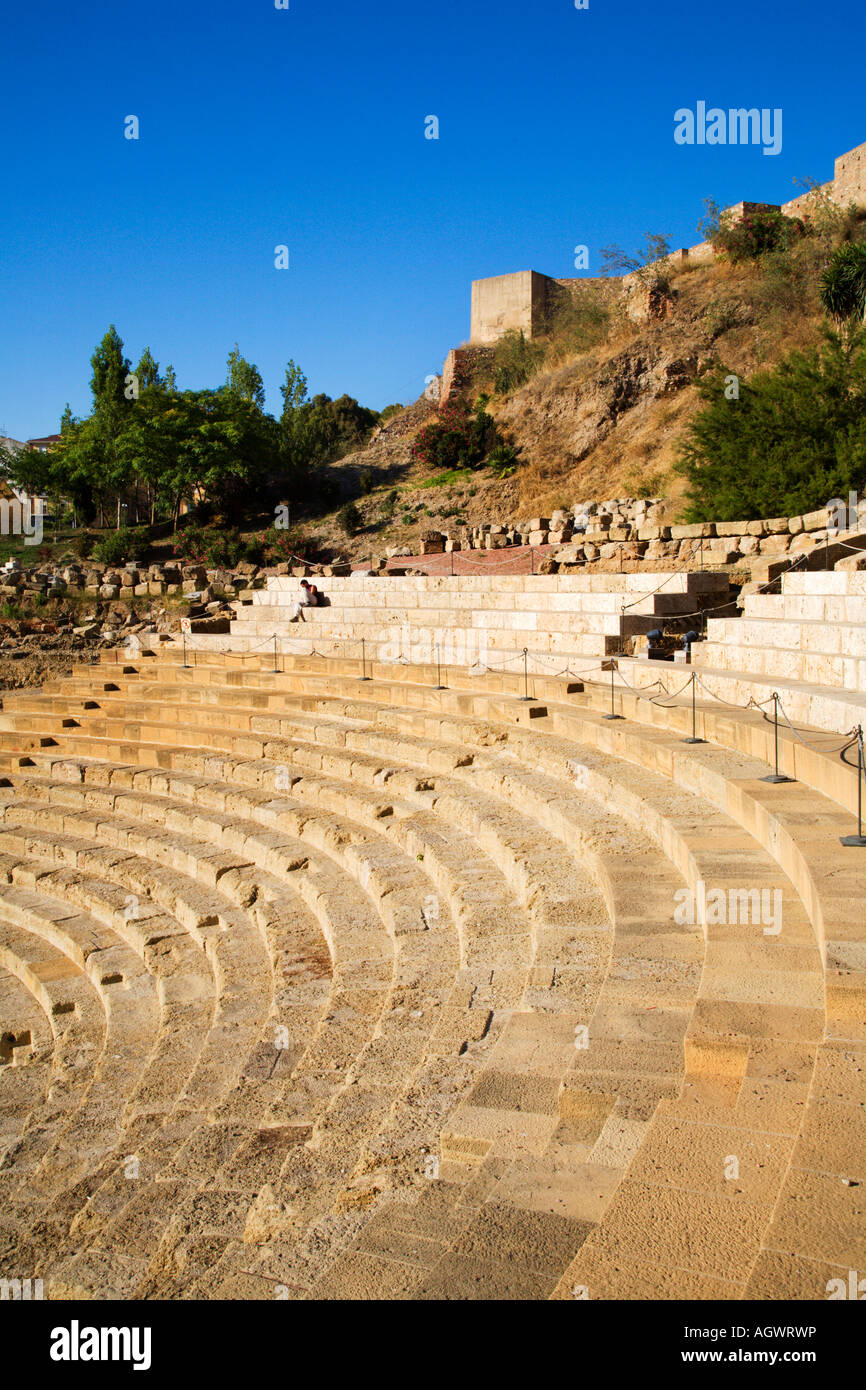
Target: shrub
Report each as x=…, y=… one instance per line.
x=457, y=438
x=365, y=481
x=723, y=313
x=119, y=546
x=579, y=323
x=211, y=545
x=83, y=544
x=843, y=284
x=788, y=283
x=349, y=519
x=753, y=235
x=503, y=459
x=515, y=359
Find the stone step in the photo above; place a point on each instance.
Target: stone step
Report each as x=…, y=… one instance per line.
x=773, y=663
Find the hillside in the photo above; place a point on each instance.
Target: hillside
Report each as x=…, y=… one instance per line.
x=602, y=420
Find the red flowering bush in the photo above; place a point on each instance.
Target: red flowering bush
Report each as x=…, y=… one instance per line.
x=756, y=234
x=457, y=438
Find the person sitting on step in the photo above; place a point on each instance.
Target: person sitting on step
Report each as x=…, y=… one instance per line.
x=309, y=599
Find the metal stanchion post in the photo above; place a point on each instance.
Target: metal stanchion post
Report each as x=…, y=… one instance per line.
x=183, y=635
x=776, y=776
x=439, y=685
x=525, y=696
x=613, y=714
x=859, y=838
x=275, y=668
x=694, y=738
x=364, y=676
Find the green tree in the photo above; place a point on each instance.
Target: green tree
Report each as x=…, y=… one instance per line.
x=244, y=379
x=227, y=451
x=97, y=452
x=782, y=443
x=650, y=262
x=147, y=371
x=294, y=441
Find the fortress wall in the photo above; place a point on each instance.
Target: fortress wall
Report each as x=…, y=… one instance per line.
x=523, y=301
x=503, y=302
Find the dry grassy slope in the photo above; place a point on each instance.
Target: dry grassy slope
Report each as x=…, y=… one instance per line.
x=597, y=425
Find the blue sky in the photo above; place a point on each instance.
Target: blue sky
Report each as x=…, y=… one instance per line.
x=305, y=127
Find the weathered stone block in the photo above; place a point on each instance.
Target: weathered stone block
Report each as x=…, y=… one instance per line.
x=693, y=531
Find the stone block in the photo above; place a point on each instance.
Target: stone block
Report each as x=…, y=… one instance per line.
x=775, y=544
x=693, y=531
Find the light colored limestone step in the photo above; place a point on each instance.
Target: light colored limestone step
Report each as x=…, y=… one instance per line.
x=537, y=1204
x=809, y=636
x=26, y=1052
x=80, y=1145
x=726, y=695
x=826, y=671
x=464, y=588
x=806, y=607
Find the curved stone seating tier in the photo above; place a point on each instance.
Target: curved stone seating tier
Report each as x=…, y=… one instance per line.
x=417, y=1010
x=25, y=1056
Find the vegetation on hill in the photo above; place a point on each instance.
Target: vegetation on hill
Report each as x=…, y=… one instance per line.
x=790, y=437
x=784, y=442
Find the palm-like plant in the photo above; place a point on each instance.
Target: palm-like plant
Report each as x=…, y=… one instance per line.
x=843, y=284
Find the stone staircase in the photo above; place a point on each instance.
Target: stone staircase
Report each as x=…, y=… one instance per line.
x=808, y=643
x=571, y=621
x=321, y=987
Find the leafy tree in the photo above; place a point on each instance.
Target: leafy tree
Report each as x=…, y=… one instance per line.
x=147, y=371
x=293, y=435
x=649, y=262
x=332, y=429
x=227, y=451
x=97, y=451
x=110, y=370
x=244, y=379
x=784, y=442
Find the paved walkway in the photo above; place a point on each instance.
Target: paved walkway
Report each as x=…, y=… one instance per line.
x=513, y=559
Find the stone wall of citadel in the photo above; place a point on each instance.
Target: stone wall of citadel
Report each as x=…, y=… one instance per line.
x=522, y=301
